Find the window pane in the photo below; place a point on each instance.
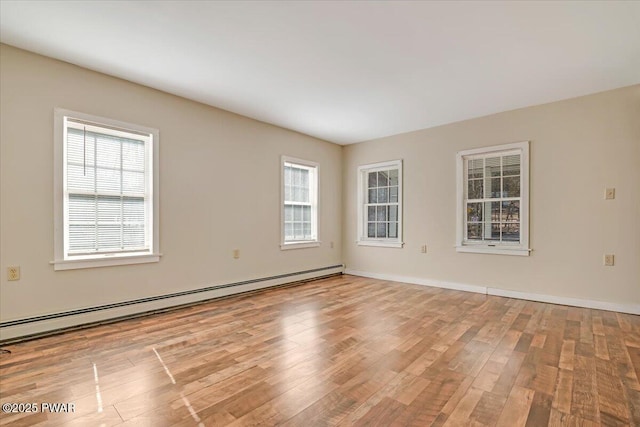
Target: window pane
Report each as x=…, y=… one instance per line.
x=381, y=229
x=287, y=175
x=493, y=188
x=381, y=213
x=82, y=237
x=307, y=230
x=287, y=193
x=133, y=235
x=393, y=194
x=108, y=180
x=80, y=178
x=304, y=176
x=474, y=231
x=511, y=211
x=474, y=212
x=79, y=150
x=297, y=180
x=373, y=196
x=495, y=211
x=493, y=233
x=108, y=151
x=475, y=168
x=371, y=229
x=306, y=213
x=393, y=213
x=133, y=182
x=393, y=177
x=383, y=195
x=474, y=189
x=109, y=209
x=133, y=155
x=511, y=165
x=492, y=167
x=288, y=213
x=109, y=237
x=511, y=232
x=512, y=186
x=82, y=208
x=297, y=194
x=297, y=213
x=383, y=179
x=373, y=179
x=371, y=213
x=133, y=210
x=288, y=231
x=297, y=230
x=393, y=229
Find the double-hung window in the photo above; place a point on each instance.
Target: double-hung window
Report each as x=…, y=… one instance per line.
x=493, y=200
x=380, y=204
x=106, y=192
x=299, y=203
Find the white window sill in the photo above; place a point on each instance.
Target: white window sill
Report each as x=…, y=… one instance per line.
x=380, y=243
x=104, y=261
x=493, y=250
x=299, y=245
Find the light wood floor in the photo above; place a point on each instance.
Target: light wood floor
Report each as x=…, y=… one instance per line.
x=339, y=351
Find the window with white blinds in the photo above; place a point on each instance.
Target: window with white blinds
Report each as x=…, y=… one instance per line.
x=299, y=203
x=380, y=204
x=108, y=187
x=493, y=199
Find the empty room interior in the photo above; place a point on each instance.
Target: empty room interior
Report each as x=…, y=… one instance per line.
x=282, y=213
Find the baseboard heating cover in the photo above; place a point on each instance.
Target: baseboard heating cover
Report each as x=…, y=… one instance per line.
x=19, y=329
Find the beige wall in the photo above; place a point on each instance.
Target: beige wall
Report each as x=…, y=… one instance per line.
x=578, y=148
x=219, y=190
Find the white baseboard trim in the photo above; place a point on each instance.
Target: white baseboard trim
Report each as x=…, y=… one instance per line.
x=552, y=299
x=15, y=329
x=575, y=302
x=420, y=281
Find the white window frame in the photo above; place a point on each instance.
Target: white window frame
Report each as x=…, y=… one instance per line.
x=501, y=248
x=314, y=191
x=64, y=261
x=362, y=239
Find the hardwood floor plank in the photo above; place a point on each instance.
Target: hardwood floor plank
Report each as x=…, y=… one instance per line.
x=464, y=408
x=488, y=409
x=584, y=402
x=540, y=410
x=516, y=409
x=563, y=394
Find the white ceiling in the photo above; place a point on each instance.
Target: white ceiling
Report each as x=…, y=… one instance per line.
x=344, y=71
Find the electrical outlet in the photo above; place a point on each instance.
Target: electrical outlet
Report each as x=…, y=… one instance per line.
x=423, y=249
x=13, y=273
x=609, y=260
x=236, y=253
x=610, y=194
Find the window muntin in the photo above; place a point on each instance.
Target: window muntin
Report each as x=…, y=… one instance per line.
x=105, y=181
x=380, y=195
x=299, y=202
x=494, y=198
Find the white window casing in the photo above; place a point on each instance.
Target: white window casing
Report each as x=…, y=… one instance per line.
x=493, y=200
x=106, y=194
x=299, y=190
x=380, y=204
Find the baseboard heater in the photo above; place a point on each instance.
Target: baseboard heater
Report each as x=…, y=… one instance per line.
x=12, y=331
